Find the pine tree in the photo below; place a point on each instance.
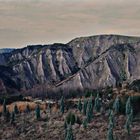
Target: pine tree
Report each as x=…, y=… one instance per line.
x=128, y=106
x=97, y=104
x=110, y=134
x=27, y=108
x=116, y=105
x=12, y=117
x=49, y=107
x=16, y=111
x=89, y=112
x=65, y=124
x=111, y=124
x=4, y=107
x=85, y=123
x=69, y=133
x=79, y=105
x=7, y=115
x=85, y=107
x=71, y=118
x=131, y=115
x=62, y=105
x=37, y=111
x=127, y=125
x=111, y=119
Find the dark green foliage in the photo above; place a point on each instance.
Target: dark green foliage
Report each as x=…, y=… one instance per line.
x=4, y=107
x=78, y=120
x=65, y=124
x=135, y=101
x=111, y=119
x=110, y=134
x=85, y=106
x=49, y=107
x=97, y=104
x=12, y=117
x=70, y=118
x=131, y=115
x=62, y=105
x=111, y=124
x=88, y=93
x=7, y=115
x=127, y=125
x=69, y=133
x=28, y=108
x=79, y=105
x=116, y=105
x=37, y=112
x=16, y=111
x=123, y=101
x=128, y=106
x=89, y=112
x=85, y=123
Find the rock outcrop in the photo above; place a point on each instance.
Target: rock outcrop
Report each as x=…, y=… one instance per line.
x=87, y=62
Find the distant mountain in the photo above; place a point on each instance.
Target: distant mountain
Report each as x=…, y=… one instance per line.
x=6, y=50
x=83, y=63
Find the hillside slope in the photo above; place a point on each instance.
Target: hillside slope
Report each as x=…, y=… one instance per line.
x=87, y=62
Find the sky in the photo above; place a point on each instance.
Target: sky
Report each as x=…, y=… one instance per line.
x=27, y=22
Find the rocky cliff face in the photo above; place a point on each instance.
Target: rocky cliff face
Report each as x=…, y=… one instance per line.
x=87, y=62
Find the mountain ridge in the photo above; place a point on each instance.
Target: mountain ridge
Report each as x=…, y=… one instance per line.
x=90, y=62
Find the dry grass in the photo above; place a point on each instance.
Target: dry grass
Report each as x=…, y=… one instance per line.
x=22, y=106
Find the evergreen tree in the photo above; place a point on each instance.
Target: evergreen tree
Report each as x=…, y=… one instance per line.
x=27, y=108
x=97, y=104
x=110, y=134
x=127, y=125
x=111, y=119
x=109, y=112
x=49, y=107
x=111, y=124
x=85, y=107
x=131, y=115
x=7, y=115
x=79, y=105
x=4, y=107
x=12, y=117
x=116, y=105
x=37, y=111
x=16, y=111
x=85, y=123
x=62, y=105
x=65, y=124
x=89, y=112
x=69, y=133
x=128, y=106
x=70, y=118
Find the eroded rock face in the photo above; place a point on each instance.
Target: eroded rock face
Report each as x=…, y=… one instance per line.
x=87, y=62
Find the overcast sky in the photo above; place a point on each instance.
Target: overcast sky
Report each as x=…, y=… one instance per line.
x=25, y=22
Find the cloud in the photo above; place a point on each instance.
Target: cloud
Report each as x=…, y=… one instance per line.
x=47, y=21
